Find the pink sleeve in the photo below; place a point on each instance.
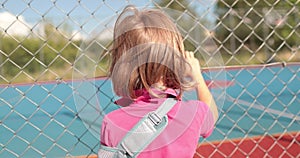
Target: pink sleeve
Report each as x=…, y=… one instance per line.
x=208, y=123
x=104, y=133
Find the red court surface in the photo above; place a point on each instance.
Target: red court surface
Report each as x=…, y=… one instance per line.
x=279, y=145
x=273, y=146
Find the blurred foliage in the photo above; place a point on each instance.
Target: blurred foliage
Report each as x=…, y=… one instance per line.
x=246, y=32
x=35, y=55
x=251, y=26
x=47, y=55
x=191, y=25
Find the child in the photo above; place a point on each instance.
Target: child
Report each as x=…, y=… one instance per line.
x=149, y=64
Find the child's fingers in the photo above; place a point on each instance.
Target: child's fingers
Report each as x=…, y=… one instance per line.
x=189, y=54
x=185, y=54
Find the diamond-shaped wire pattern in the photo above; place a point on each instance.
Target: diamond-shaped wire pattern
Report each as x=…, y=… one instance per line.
x=40, y=41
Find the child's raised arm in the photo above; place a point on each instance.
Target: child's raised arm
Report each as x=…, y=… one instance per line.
x=202, y=90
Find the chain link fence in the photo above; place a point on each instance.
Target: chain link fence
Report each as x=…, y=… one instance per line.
x=39, y=43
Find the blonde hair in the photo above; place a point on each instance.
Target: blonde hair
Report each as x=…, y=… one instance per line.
x=147, y=48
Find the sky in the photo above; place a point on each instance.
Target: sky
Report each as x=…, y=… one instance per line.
x=81, y=17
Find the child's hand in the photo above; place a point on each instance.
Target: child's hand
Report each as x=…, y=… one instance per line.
x=194, y=70
x=202, y=90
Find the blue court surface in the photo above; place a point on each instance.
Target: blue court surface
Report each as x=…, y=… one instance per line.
x=41, y=119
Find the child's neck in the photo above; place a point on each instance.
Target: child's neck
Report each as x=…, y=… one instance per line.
x=159, y=85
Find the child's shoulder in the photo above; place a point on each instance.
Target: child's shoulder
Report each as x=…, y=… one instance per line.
x=194, y=105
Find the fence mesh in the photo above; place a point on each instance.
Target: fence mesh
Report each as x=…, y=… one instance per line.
x=40, y=40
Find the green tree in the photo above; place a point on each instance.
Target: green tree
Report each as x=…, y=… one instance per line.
x=179, y=5
x=33, y=55
x=58, y=50
x=268, y=25
x=190, y=23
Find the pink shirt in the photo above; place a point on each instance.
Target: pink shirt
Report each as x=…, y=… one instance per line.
x=188, y=120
